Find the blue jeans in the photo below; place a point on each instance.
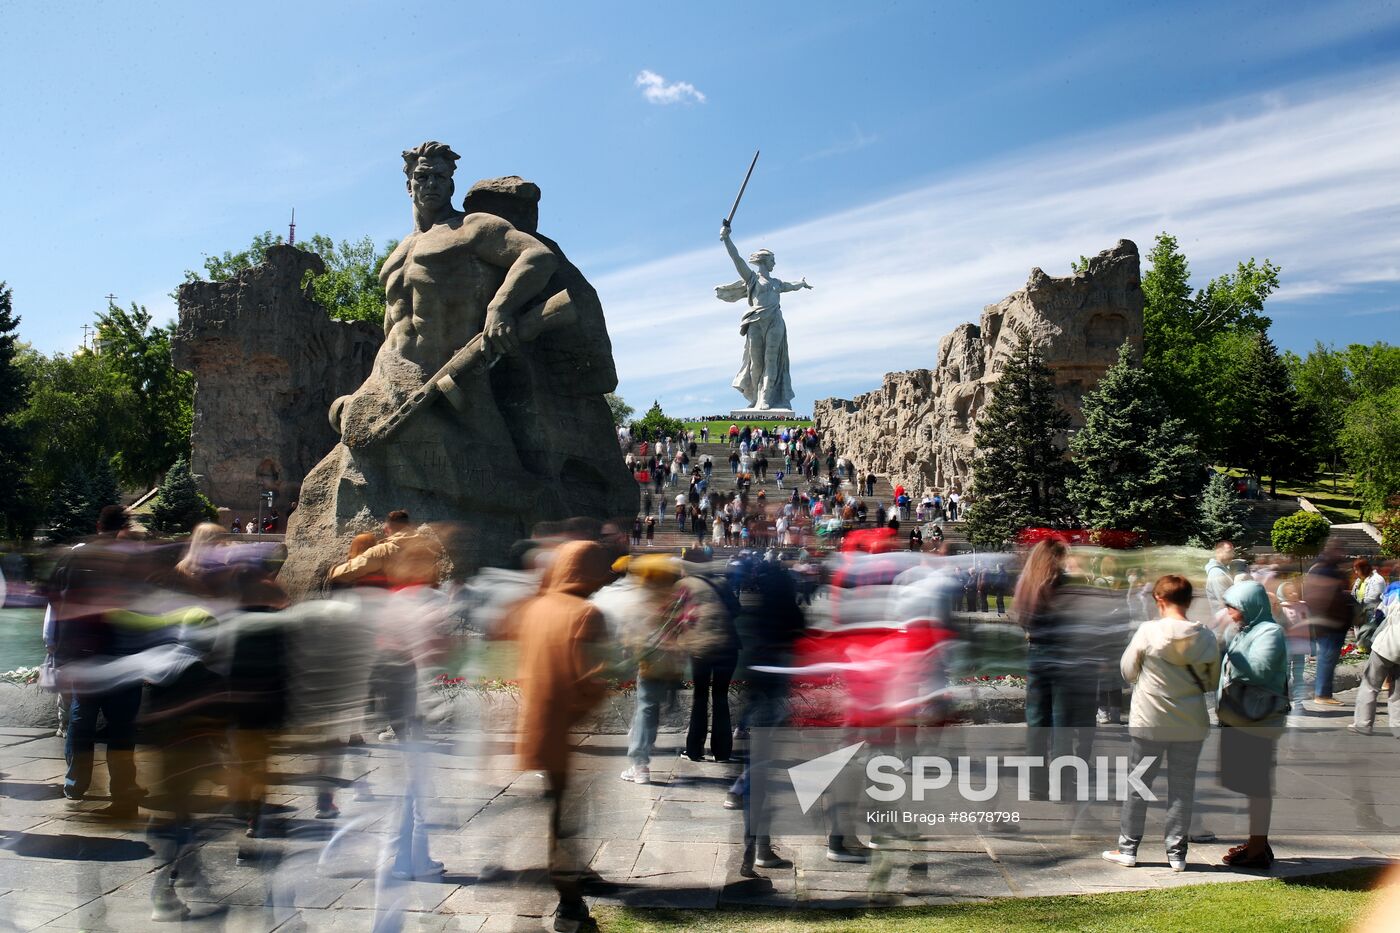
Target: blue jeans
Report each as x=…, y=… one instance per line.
x=1298, y=691
x=1329, y=652
x=120, y=707
x=1059, y=719
x=642, y=737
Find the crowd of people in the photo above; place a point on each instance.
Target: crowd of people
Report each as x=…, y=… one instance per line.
x=785, y=489
x=196, y=658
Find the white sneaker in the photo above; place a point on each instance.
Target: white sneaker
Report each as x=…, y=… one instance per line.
x=637, y=775
x=1119, y=858
x=387, y=735
x=1177, y=864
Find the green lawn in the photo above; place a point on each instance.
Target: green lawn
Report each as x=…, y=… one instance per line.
x=1320, y=903
x=721, y=428
x=1339, y=507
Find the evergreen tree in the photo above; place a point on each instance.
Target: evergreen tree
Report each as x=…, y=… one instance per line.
x=73, y=513
x=1220, y=513
x=105, y=490
x=1274, y=431
x=16, y=503
x=178, y=505
x=656, y=424
x=1135, y=467
x=1019, y=475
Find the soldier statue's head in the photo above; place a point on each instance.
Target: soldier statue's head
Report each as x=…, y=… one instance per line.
x=429, y=168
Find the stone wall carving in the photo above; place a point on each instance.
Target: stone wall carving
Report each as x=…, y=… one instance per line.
x=918, y=426
x=268, y=361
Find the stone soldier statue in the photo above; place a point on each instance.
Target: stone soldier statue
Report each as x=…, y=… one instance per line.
x=764, y=378
x=484, y=410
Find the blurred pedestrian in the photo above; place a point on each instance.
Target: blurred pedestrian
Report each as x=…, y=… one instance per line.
x=1252, y=709
x=561, y=636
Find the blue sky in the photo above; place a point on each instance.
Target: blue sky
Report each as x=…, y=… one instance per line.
x=918, y=158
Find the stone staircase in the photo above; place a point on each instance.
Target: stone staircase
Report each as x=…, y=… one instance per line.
x=1353, y=540
x=723, y=481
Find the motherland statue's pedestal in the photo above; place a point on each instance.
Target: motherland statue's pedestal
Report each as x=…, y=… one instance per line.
x=918, y=427
x=770, y=414
x=484, y=412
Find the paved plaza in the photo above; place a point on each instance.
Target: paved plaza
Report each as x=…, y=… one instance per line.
x=667, y=844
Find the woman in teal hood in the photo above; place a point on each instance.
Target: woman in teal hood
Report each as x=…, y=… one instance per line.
x=1257, y=659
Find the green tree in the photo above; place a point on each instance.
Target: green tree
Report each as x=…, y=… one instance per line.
x=159, y=414
x=1019, y=475
x=1388, y=522
x=621, y=411
x=104, y=487
x=1193, y=341
x=76, y=415
x=16, y=500
x=179, y=505
x=1300, y=535
x=1330, y=381
x=349, y=289
x=1370, y=442
x=1135, y=468
x=1220, y=514
x=1272, y=433
x=655, y=425
x=73, y=513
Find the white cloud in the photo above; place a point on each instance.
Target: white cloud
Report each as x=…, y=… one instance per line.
x=857, y=140
x=658, y=90
x=1304, y=175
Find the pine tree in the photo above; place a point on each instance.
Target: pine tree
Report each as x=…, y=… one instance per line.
x=72, y=514
x=1220, y=513
x=1135, y=468
x=178, y=505
x=105, y=490
x=1275, y=429
x=1019, y=475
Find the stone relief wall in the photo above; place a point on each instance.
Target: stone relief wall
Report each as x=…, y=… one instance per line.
x=268, y=361
x=918, y=426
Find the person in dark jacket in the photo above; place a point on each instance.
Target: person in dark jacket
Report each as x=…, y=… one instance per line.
x=1065, y=619
x=768, y=624
x=89, y=589
x=714, y=647
x=1332, y=610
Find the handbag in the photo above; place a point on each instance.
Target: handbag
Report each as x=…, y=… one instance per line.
x=1247, y=704
x=48, y=673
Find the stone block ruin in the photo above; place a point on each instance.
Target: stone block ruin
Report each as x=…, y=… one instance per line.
x=268, y=361
x=918, y=427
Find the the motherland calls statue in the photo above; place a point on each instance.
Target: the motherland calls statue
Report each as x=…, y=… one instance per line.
x=484, y=410
x=764, y=379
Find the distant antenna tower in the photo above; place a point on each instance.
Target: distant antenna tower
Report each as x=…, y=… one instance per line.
x=292, y=231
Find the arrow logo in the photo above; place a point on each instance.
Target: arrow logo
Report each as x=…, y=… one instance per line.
x=811, y=778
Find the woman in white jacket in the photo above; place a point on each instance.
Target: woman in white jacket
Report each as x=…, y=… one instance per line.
x=1172, y=662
